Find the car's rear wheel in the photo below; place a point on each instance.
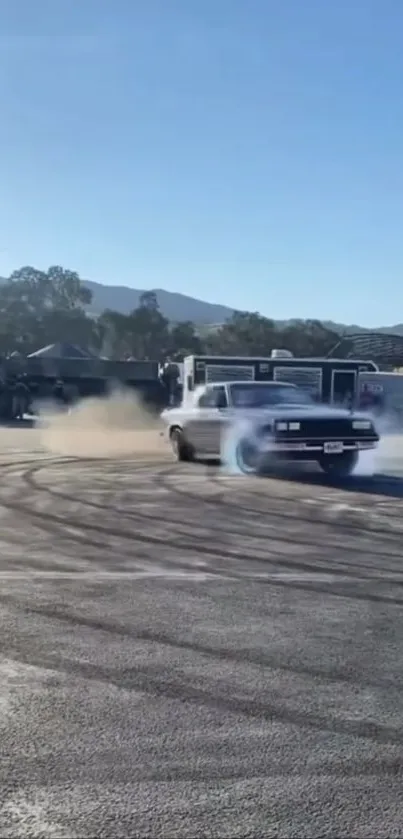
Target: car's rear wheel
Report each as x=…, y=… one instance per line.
x=182, y=450
x=339, y=465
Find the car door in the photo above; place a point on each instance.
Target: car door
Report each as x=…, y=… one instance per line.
x=203, y=427
x=221, y=418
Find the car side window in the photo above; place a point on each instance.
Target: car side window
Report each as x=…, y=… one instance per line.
x=207, y=399
x=220, y=397
x=215, y=397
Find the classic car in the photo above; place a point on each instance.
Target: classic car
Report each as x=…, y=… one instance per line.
x=272, y=420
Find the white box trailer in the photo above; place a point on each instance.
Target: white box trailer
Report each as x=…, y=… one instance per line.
x=331, y=380
x=381, y=392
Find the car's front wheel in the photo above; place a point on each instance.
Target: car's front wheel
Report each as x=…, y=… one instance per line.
x=248, y=457
x=182, y=450
x=339, y=465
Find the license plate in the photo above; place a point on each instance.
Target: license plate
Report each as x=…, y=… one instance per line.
x=333, y=448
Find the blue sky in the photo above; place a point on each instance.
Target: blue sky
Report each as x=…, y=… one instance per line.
x=246, y=152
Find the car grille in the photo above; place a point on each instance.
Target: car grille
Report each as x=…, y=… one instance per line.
x=327, y=428
x=330, y=427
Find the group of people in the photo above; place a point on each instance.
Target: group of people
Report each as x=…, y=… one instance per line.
x=17, y=396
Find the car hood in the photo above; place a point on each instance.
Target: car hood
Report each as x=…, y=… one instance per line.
x=303, y=412
x=279, y=411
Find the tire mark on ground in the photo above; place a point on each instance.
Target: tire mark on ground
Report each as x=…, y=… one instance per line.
x=185, y=541
x=155, y=684
x=275, y=533
x=57, y=525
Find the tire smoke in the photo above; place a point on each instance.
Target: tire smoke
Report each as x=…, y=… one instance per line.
x=241, y=449
x=390, y=448
x=370, y=463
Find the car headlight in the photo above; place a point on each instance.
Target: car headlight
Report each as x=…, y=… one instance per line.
x=288, y=426
x=362, y=425
x=294, y=426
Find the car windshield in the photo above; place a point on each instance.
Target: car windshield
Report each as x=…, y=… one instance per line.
x=261, y=395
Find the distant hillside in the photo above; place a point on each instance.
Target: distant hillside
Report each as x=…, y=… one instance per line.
x=178, y=307
x=174, y=306
x=181, y=307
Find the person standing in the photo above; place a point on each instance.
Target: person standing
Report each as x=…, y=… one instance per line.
x=59, y=392
x=169, y=376
x=20, y=397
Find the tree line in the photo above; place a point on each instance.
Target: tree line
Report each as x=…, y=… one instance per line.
x=44, y=307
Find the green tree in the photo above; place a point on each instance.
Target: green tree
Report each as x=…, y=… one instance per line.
x=42, y=307
x=149, y=330
x=56, y=288
x=308, y=338
x=143, y=333
x=184, y=340
x=246, y=333
x=39, y=307
x=113, y=337
x=149, y=300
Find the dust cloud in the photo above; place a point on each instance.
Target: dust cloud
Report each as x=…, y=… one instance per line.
x=113, y=426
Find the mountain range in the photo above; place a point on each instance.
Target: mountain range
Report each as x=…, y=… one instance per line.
x=179, y=307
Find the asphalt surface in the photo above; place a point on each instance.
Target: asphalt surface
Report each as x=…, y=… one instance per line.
x=185, y=654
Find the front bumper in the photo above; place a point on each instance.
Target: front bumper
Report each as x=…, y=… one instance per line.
x=313, y=449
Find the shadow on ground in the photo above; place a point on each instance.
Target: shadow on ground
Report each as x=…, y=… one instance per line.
x=378, y=484
x=27, y=422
